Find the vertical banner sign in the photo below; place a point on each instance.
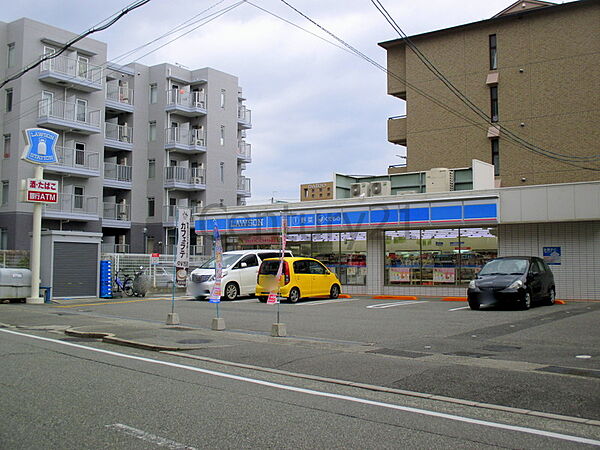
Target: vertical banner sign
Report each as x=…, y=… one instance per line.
x=273, y=294
x=182, y=258
x=215, y=293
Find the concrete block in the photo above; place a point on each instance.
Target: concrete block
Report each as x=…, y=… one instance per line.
x=172, y=319
x=218, y=324
x=278, y=330
x=34, y=300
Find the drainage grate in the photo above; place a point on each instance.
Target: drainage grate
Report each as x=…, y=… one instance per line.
x=394, y=352
x=501, y=348
x=194, y=341
x=571, y=371
x=469, y=354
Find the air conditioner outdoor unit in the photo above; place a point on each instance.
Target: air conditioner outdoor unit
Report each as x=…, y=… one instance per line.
x=381, y=188
x=197, y=180
x=360, y=189
x=199, y=142
x=439, y=180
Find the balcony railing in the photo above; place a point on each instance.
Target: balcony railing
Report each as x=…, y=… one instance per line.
x=116, y=132
x=119, y=94
x=114, y=248
x=195, y=137
x=397, y=130
x=118, y=172
x=193, y=99
x=169, y=212
x=244, y=150
x=75, y=70
x=77, y=113
x=74, y=204
x=76, y=158
x=116, y=211
x=244, y=116
x=244, y=184
x=186, y=175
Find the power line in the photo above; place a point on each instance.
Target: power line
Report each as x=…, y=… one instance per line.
x=74, y=41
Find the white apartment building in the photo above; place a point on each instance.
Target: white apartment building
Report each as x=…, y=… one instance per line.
x=136, y=142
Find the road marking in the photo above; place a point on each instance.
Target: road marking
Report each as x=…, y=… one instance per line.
x=423, y=412
x=326, y=302
x=148, y=437
x=391, y=305
x=457, y=309
x=116, y=303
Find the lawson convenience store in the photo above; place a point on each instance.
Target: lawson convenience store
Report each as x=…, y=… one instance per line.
x=427, y=244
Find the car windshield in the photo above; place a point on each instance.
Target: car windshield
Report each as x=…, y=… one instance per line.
x=504, y=267
x=228, y=260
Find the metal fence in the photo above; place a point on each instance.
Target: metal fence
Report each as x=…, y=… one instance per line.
x=14, y=259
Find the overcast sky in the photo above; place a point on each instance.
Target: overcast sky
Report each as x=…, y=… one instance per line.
x=316, y=109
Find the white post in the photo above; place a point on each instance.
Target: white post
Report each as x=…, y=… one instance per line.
x=36, y=244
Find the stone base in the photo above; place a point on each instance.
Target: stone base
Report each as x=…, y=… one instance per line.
x=278, y=330
x=34, y=300
x=173, y=319
x=218, y=324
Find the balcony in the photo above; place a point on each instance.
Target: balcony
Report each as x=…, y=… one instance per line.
x=244, y=152
x=190, y=104
x=118, y=136
x=397, y=130
x=117, y=176
x=243, y=187
x=73, y=73
x=169, y=212
x=185, y=141
x=116, y=215
x=184, y=178
x=75, y=117
x=119, y=98
x=72, y=161
x=72, y=207
x=244, y=117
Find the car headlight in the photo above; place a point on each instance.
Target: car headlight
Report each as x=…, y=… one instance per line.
x=472, y=284
x=517, y=284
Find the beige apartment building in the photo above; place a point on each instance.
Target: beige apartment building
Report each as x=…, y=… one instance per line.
x=316, y=191
x=533, y=71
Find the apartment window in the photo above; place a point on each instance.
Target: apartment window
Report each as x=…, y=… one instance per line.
x=4, y=193
x=10, y=60
x=150, y=206
x=81, y=110
x=79, y=153
x=494, y=103
x=222, y=171
x=222, y=134
x=151, y=168
x=3, y=238
x=78, y=197
x=152, y=131
x=222, y=98
x=496, y=156
x=493, y=53
x=153, y=93
x=82, y=66
x=9, y=99
x=7, y=145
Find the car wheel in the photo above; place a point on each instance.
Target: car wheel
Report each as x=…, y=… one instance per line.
x=551, y=297
x=526, y=302
x=231, y=291
x=262, y=299
x=334, y=292
x=294, y=295
x=474, y=305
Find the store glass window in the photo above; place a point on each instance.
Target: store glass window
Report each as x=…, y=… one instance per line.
x=402, y=257
x=352, y=268
x=299, y=244
x=326, y=248
x=479, y=245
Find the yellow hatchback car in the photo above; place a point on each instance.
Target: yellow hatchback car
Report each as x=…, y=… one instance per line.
x=300, y=277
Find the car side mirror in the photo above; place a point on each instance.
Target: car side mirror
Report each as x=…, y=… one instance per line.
x=243, y=265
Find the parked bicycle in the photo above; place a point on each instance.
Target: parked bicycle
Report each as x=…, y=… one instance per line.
x=123, y=283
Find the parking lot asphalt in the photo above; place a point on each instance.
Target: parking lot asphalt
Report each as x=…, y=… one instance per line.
x=544, y=360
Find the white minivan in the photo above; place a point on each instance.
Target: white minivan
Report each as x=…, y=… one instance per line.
x=240, y=269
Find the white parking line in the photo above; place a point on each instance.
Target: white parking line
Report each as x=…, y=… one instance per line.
x=326, y=302
x=457, y=309
x=312, y=392
x=390, y=305
x=148, y=437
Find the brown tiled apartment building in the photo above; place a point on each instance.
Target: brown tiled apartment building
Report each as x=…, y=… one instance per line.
x=533, y=70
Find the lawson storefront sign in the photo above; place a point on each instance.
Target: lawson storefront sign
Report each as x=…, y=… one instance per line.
x=405, y=215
